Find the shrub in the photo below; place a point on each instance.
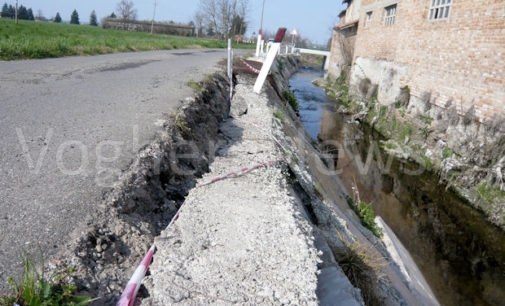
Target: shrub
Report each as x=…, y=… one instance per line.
x=280, y=64
x=291, y=99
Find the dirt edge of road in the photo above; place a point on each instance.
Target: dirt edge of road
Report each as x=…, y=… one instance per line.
x=147, y=195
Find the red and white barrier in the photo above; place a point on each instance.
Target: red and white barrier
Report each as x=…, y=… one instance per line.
x=249, y=66
x=130, y=293
x=241, y=171
x=131, y=290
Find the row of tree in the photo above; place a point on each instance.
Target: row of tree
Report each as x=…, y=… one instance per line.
x=74, y=18
x=8, y=11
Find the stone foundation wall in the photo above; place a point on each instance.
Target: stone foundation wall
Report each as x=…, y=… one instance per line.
x=454, y=62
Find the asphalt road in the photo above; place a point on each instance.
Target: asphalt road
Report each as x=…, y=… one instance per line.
x=68, y=126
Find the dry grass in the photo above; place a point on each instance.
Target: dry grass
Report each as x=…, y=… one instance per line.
x=363, y=267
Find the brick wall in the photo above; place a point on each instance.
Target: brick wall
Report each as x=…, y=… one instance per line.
x=459, y=61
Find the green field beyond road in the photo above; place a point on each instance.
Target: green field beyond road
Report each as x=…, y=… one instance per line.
x=31, y=39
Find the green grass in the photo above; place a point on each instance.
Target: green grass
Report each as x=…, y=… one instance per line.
x=31, y=39
x=194, y=85
x=366, y=215
x=35, y=289
x=279, y=115
x=489, y=193
x=383, y=110
x=426, y=119
x=427, y=163
x=291, y=99
x=391, y=146
x=280, y=64
x=447, y=152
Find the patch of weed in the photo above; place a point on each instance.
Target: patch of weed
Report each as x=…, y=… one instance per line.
x=362, y=267
x=447, y=152
x=291, y=99
x=391, y=146
x=366, y=215
x=194, y=85
x=424, y=132
x=427, y=163
x=183, y=127
x=280, y=64
x=279, y=114
x=426, y=119
x=489, y=193
x=383, y=110
x=35, y=289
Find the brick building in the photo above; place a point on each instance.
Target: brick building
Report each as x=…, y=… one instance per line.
x=450, y=53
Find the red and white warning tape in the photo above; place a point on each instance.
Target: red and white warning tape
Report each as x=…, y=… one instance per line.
x=242, y=171
x=131, y=290
x=130, y=293
x=249, y=66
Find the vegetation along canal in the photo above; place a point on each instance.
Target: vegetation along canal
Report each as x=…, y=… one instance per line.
x=460, y=254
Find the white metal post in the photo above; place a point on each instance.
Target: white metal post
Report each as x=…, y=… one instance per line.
x=258, y=42
x=230, y=67
x=229, y=57
x=267, y=64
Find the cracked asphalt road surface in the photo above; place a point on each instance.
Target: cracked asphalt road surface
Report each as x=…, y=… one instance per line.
x=68, y=127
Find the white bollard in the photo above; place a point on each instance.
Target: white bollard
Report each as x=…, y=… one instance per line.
x=258, y=43
x=267, y=64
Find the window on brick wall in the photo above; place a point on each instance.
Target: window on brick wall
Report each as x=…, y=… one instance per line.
x=368, y=19
x=390, y=15
x=439, y=9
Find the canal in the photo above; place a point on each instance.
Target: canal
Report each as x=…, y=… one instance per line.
x=460, y=254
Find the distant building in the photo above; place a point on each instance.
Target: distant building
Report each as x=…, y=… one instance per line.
x=450, y=53
x=169, y=28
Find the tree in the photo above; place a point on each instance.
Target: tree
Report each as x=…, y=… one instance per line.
x=12, y=11
x=57, y=19
x=5, y=11
x=113, y=15
x=199, y=25
x=29, y=15
x=40, y=16
x=238, y=26
x=126, y=11
x=92, y=19
x=22, y=13
x=74, y=18
x=218, y=15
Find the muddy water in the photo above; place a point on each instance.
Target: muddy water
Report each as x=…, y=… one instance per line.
x=460, y=254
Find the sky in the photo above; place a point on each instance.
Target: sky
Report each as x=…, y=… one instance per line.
x=312, y=18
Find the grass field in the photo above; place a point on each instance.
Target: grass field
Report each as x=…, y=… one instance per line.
x=31, y=39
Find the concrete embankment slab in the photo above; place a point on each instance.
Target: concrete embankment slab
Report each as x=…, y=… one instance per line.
x=241, y=240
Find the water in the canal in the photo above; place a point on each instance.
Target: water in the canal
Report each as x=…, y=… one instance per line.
x=460, y=254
